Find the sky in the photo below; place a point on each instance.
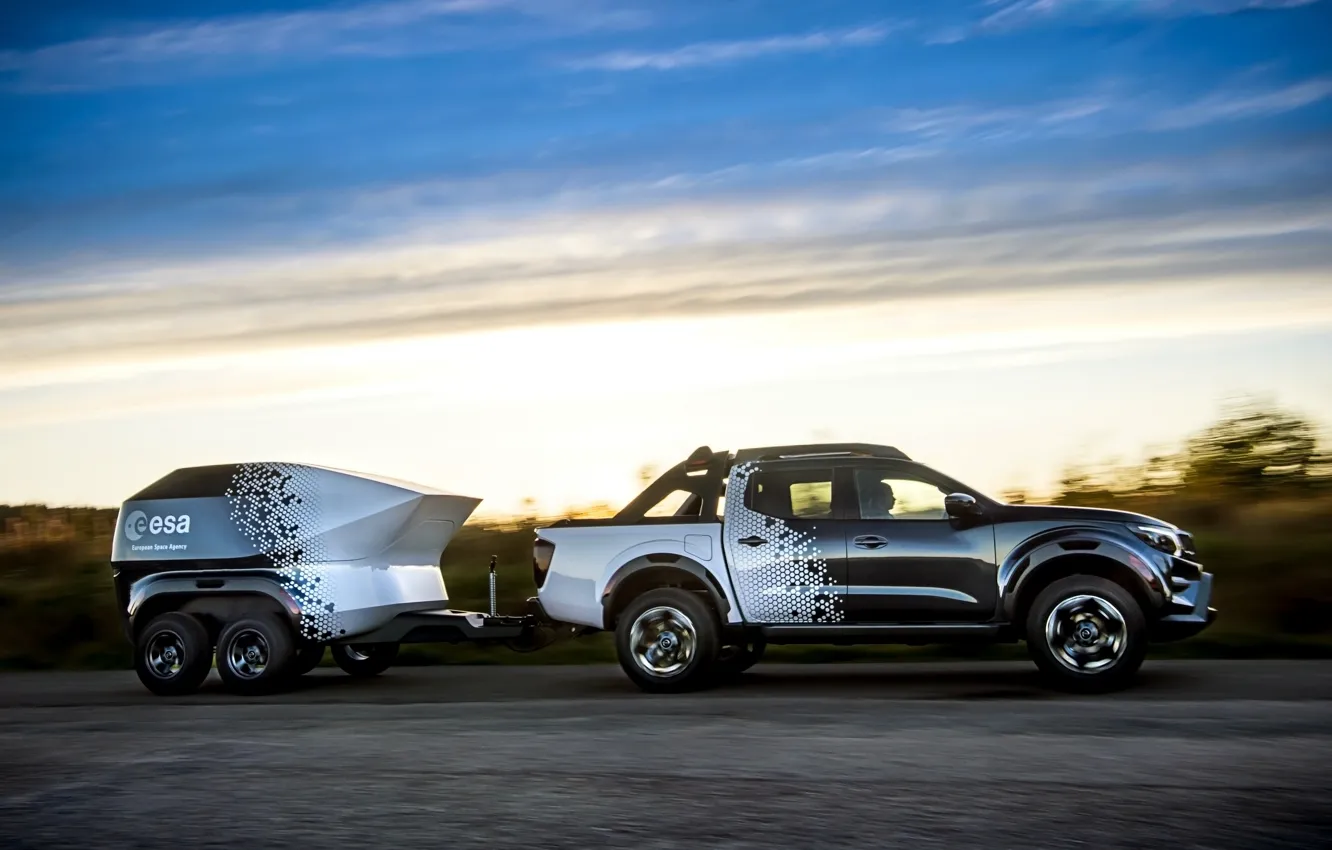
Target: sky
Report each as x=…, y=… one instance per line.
x=520, y=249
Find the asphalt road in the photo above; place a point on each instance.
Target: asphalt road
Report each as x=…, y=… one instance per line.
x=1200, y=754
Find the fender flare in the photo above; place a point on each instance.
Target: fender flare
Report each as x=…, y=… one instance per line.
x=1035, y=556
x=666, y=561
x=195, y=584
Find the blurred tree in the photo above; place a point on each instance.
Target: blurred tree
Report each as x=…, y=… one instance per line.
x=529, y=509
x=1252, y=448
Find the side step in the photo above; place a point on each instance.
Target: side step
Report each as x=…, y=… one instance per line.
x=448, y=626
x=912, y=633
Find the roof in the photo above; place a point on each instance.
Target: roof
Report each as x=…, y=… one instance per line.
x=820, y=450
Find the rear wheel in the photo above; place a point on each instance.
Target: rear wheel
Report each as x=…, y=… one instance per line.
x=255, y=654
x=667, y=640
x=1087, y=634
x=173, y=654
x=364, y=659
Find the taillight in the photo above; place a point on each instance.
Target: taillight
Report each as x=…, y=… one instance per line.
x=542, y=552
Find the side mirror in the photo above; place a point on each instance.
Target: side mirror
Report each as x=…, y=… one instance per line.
x=961, y=506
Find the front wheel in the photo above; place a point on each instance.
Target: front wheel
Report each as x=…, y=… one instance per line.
x=1087, y=634
x=667, y=640
x=364, y=659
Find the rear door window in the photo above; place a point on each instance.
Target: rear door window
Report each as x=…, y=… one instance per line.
x=792, y=494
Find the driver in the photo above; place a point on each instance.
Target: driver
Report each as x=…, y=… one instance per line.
x=876, y=500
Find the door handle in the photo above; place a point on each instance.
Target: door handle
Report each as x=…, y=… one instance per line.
x=870, y=541
x=752, y=541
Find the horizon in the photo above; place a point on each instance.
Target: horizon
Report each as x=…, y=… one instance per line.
x=647, y=473
x=521, y=249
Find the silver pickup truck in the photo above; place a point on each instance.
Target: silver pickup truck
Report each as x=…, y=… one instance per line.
x=858, y=544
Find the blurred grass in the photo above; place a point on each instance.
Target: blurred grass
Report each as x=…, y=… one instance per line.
x=1252, y=488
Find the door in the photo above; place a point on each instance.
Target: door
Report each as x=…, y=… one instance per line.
x=907, y=561
x=784, y=541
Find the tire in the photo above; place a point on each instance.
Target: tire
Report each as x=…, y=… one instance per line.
x=733, y=660
x=685, y=660
x=308, y=657
x=364, y=660
x=173, y=654
x=1087, y=634
x=255, y=654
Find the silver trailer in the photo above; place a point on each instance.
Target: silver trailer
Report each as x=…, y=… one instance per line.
x=264, y=565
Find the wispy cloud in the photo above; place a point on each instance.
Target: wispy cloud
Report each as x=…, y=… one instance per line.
x=1238, y=105
x=1109, y=111
x=393, y=28
x=727, y=52
x=1015, y=14
x=1178, y=222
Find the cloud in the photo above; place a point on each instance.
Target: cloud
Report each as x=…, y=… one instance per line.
x=1015, y=14
x=1108, y=112
x=1239, y=105
x=394, y=28
x=727, y=52
x=1184, y=222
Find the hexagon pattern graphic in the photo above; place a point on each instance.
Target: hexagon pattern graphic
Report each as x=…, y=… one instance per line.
x=276, y=506
x=785, y=580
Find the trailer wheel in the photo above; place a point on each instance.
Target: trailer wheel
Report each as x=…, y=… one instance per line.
x=307, y=658
x=364, y=660
x=667, y=640
x=255, y=654
x=173, y=654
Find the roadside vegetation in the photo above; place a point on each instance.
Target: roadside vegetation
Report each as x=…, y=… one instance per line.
x=1255, y=488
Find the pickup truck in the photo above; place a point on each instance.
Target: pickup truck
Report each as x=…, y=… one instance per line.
x=853, y=543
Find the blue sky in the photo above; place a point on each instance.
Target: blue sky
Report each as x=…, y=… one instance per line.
x=199, y=214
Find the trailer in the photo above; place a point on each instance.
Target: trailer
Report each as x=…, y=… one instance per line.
x=261, y=567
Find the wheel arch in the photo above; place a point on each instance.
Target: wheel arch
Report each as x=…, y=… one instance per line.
x=1057, y=560
x=659, y=569
x=214, y=601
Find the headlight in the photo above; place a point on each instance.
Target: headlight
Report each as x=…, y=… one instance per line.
x=1164, y=539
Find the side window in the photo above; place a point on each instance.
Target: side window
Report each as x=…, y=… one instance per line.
x=884, y=494
x=792, y=494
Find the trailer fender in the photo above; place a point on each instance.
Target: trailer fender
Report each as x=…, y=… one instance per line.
x=148, y=594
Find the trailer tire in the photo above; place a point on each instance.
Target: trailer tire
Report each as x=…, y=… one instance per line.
x=308, y=657
x=255, y=654
x=364, y=660
x=173, y=654
x=667, y=640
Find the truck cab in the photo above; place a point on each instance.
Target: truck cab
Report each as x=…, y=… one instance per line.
x=857, y=543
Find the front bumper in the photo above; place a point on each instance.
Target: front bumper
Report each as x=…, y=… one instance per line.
x=1188, y=612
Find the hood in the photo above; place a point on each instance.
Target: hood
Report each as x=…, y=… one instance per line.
x=289, y=512
x=1062, y=513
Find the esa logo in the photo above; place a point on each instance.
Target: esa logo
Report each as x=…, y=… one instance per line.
x=138, y=524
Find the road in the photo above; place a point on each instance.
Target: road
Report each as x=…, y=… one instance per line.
x=1200, y=754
